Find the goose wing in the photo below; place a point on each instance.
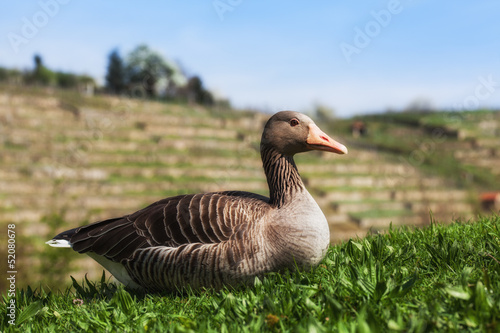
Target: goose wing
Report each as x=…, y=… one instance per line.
x=207, y=218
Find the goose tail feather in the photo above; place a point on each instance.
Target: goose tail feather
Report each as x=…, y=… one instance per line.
x=59, y=243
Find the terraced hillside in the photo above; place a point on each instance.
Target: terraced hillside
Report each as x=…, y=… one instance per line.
x=460, y=145
x=479, y=132
x=68, y=160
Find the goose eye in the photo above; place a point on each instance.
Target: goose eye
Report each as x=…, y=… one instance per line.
x=294, y=122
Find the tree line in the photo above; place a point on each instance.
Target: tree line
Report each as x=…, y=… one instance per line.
x=143, y=73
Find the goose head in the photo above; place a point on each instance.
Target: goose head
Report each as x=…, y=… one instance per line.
x=290, y=132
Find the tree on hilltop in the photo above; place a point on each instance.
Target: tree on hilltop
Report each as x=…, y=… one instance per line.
x=146, y=73
x=147, y=69
x=116, y=77
x=196, y=93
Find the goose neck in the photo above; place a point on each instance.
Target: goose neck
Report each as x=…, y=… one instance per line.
x=282, y=175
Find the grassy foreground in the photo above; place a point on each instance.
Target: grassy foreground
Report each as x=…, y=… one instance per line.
x=440, y=278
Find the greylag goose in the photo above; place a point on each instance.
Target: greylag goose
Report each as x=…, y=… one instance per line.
x=219, y=238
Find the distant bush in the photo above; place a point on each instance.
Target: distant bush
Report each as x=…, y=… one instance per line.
x=10, y=75
x=43, y=76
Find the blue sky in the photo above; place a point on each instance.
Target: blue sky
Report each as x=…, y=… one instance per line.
x=353, y=57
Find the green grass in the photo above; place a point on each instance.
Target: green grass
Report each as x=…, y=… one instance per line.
x=440, y=278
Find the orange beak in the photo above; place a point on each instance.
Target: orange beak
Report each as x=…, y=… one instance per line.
x=318, y=140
